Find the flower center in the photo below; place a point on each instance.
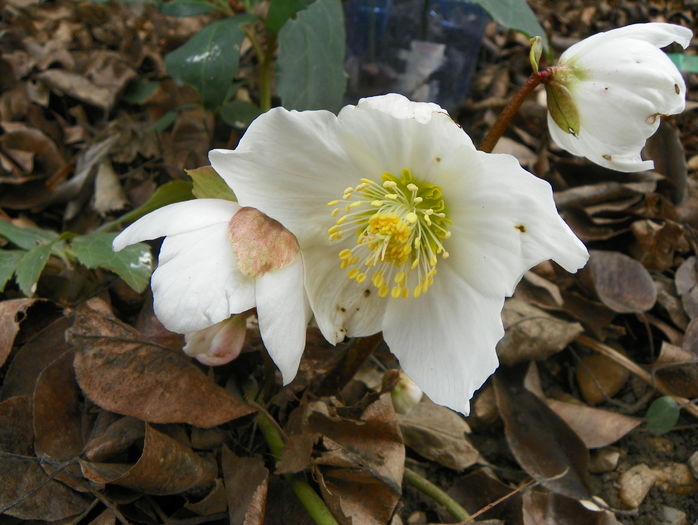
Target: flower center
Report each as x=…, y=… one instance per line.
x=400, y=225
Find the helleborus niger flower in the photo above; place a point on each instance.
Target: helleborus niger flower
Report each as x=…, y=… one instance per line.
x=218, y=344
x=404, y=393
x=404, y=227
x=608, y=92
x=219, y=259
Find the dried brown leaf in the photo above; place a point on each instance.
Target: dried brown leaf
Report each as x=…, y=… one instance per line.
x=532, y=334
x=542, y=508
x=165, y=467
x=479, y=489
x=246, y=484
x=621, y=283
x=543, y=444
x=12, y=313
x=438, y=434
x=124, y=374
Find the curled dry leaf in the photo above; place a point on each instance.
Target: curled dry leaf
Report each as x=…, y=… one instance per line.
x=543, y=444
x=532, y=334
x=246, y=485
x=165, y=467
x=438, y=434
x=124, y=374
x=26, y=492
x=620, y=282
x=12, y=314
x=656, y=243
x=115, y=440
x=212, y=503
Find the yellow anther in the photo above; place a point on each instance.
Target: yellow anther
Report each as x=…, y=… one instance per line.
x=335, y=236
x=353, y=273
x=345, y=254
x=377, y=203
x=445, y=254
x=418, y=200
x=411, y=217
x=427, y=220
x=341, y=220
x=414, y=264
x=361, y=278
x=349, y=190
x=405, y=293
x=367, y=181
x=400, y=277
x=383, y=291
x=391, y=196
x=447, y=234
x=417, y=291
x=333, y=229
x=390, y=184
x=432, y=260
x=336, y=212
x=412, y=187
x=396, y=292
x=417, y=243
x=355, y=204
x=332, y=203
x=377, y=280
x=344, y=264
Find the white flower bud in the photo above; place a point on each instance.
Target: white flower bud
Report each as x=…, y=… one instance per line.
x=405, y=394
x=218, y=344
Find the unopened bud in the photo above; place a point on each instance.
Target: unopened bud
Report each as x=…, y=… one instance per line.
x=562, y=107
x=535, y=53
x=218, y=344
x=405, y=394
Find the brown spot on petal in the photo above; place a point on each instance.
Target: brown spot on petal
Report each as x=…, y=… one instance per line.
x=677, y=89
x=521, y=228
x=652, y=118
x=438, y=159
x=367, y=292
x=607, y=157
x=260, y=244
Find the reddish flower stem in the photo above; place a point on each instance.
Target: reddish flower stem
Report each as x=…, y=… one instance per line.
x=510, y=110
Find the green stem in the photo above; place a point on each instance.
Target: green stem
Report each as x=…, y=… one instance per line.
x=313, y=504
x=439, y=496
x=266, y=70
x=510, y=110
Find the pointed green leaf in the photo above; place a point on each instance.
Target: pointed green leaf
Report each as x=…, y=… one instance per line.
x=30, y=266
x=281, y=10
x=133, y=264
x=26, y=238
x=209, y=185
x=311, y=58
x=209, y=60
x=9, y=259
x=514, y=14
x=562, y=108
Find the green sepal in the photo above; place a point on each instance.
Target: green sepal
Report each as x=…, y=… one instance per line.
x=209, y=185
x=535, y=53
x=562, y=108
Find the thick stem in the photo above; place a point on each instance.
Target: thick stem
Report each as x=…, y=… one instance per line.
x=439, y=496
x=266, y=70
x=510, y=110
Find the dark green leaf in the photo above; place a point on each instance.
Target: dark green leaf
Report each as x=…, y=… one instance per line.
x=311, y=58
x=168, y=193
x=239, y=114
x=133, y=264
x=209, y=185
x=209, y=60
x=30, y=266
x=514, y=14
x=138, y=92
x=26, y=238
x=662, y=415
x=281, y=10
x=184, y=8
x=9, y=259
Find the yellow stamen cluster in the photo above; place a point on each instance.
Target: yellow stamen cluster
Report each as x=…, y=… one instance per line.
x=399, y=225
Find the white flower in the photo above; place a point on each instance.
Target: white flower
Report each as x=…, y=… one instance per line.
x=620, y=84
x=408, y=195
x=405, y=394
x=208, y=269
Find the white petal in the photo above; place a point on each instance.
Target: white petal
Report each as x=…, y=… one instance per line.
x=175, y=218
x=445, y=340
x=342, y=307
x=283, y=314
x=504, y=221
x=401, y=107
x=197, y=283
x=289, y=164
x=657, y=34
